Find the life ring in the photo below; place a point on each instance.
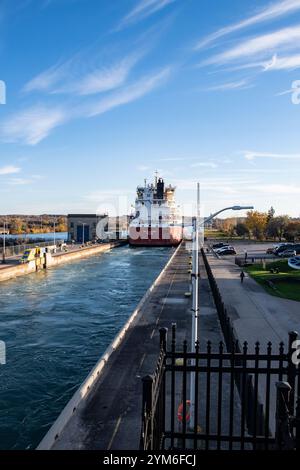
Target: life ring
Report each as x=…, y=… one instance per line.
x=180, y=412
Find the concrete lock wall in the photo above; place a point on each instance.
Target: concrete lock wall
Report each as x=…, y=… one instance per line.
x=84, y=252
x=18, y=270
x=10, y=272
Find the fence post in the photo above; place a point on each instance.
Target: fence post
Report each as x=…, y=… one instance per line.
x=163, y=332
x=147, y=417
x=283, y=436
x=298, y=415
x=292, y=370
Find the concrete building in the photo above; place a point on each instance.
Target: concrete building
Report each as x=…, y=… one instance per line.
x=82, y=228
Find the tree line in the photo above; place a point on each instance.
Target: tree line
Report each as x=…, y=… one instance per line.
x=18, y=225
x=262, y=225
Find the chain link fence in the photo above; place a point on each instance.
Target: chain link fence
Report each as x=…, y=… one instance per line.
x=16, y=250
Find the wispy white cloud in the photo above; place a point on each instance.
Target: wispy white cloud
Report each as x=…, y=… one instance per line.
x=48, y=78
x=276, y=189
x=252, y=155
x=238, y=85
x=32, y=125
x=284, y=63
x=143, y=168
x=211, y=165
x=19, y=181
x=143, y=10
x=9, y=169
x=261, y=46
x=129, y=93
x=271, y=12
x=70, y=77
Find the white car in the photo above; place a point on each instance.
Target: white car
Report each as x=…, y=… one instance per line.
x=288, y=253
x=222, y=248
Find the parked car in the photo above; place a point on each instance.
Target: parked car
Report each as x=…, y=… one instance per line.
x=286, y=246
x=273, y=248
x=227, y=251
x=223, y=248
x=219, y=245
x=288, y=253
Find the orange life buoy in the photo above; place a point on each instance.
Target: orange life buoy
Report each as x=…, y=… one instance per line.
x=180, y=412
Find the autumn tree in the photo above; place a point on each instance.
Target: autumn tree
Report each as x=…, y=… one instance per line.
x=241, y=230
x=16, y=225
x=271, y=213
x=292, y=231
x=276, y=226
x=256, y=223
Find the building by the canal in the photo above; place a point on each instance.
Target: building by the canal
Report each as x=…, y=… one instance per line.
x=82, y=228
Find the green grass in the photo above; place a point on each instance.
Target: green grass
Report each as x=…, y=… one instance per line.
x=286, y=285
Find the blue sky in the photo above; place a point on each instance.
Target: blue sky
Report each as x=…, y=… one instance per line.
x=101, y=93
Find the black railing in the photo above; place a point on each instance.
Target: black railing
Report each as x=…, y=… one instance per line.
x=226, y=325
x=229, y=390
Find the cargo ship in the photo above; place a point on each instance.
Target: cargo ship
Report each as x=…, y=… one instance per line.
x=157, y=220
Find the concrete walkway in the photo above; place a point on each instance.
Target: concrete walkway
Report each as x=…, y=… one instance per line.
x=110, y=417
x=256, y=315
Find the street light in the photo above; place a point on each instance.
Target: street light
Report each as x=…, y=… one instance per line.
x=54, y=239
x=232, y=208
x=195, y=289
x=83, y=224
x=4, y=243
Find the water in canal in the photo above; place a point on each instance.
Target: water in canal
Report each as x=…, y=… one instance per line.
x=56, y=324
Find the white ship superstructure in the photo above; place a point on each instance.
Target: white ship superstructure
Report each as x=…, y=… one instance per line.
x=157, y=218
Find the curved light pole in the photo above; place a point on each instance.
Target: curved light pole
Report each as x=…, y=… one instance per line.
x=4, y=244
x=232, y=208
x=195, y=289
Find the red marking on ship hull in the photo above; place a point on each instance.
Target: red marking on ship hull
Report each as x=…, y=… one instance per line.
x=155, y=236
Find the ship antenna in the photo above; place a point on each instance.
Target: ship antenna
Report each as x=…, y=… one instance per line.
x=156, y=175
x=145, y=180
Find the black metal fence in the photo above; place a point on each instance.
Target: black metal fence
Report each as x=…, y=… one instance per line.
x=239, y=400
x=226, y=325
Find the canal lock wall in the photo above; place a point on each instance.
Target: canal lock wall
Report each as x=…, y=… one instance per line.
x=50, y=260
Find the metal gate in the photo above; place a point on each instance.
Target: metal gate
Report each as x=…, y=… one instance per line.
x=243, y=400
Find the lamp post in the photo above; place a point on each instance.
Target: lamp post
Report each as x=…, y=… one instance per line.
x=83, y=224
x=4, y=243
x=195, y=303
x=232, y=208
x=195, y=290
x=54, y=235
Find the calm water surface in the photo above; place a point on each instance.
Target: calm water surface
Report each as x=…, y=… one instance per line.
x=56, y=324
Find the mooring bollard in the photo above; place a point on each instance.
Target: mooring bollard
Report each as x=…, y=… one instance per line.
x=283, y=436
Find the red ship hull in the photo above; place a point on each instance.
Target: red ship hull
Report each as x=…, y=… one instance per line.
x=155, y=236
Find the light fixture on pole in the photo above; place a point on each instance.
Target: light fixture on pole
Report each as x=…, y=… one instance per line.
x=195, y=303
x=83, y=224
x=195, y=290
x=54, y=238
x=232, y=208
x=4, y=243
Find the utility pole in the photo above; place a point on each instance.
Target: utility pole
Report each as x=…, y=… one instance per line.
x=83, y=224
x=54, y=239
x=195, y=304
x=4, y=243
